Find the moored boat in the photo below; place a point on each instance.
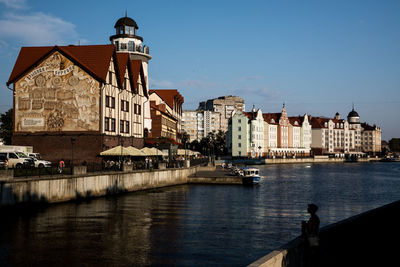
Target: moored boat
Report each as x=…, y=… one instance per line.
x=250, y=175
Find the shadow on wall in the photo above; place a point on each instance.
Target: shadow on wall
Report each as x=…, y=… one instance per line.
x=8, y=197
x=367, y=239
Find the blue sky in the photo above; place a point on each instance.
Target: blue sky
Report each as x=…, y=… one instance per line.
x=318, y=57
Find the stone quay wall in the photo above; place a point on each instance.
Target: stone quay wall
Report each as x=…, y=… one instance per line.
x=66, y=188
x=367, y=239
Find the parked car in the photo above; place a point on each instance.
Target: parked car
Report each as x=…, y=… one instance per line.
x=41, y=163
x=17, y=159
x=2, y=161
x=34, y=155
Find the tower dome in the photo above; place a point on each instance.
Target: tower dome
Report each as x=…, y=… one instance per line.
x=353, y=117
x=126, y=40
x=126, y=21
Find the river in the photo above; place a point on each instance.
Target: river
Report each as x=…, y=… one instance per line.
x=194, y=225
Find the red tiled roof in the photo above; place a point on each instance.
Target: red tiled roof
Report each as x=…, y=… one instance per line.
x=168, y=95
x=268, y=116
x=94, y=59
x=317, y=122
x=249, y=115
x=368, y=127
x=122, y=60
x=136, y=66
x=292, y=121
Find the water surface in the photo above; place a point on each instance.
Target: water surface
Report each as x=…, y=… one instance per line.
x=194, y=225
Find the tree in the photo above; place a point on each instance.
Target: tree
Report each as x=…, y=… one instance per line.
x=394, y=144
x=6, y=121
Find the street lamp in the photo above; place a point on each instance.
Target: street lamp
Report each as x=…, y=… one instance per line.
x=72, y=151
x=122, y=145
x=259, y=152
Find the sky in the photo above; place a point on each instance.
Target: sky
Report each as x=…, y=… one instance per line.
x=317, y=57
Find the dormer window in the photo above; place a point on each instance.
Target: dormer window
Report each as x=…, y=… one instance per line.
x=296, y=123
x=326, y=124
x=272, y=121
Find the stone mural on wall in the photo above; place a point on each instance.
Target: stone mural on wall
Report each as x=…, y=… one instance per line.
x=57, y=96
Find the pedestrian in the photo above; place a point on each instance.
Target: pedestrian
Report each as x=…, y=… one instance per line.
x=310, y=231
x=61, y=166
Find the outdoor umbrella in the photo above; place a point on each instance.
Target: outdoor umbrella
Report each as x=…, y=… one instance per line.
x=117, y=151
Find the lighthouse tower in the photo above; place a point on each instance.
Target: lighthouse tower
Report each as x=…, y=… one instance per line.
x=126, y=41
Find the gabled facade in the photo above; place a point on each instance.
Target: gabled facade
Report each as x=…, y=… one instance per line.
x=83, y=99
x=256, y=129
x=173, y=101
x=239, y=132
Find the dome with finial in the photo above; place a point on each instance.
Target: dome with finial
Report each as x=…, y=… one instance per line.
x=353, y=117
x=353, y=113
x=126, y=21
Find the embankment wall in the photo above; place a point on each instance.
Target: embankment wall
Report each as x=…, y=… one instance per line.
x=66, y=188
x=368, y=239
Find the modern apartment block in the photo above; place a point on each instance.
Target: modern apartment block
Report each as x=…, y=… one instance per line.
x=198, y=123
x=225, y=106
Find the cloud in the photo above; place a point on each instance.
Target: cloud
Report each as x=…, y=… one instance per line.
x=198, y=84
x=16, y=4
x=250, y=78
x=37, y=29
x=260, y=93
x=161, y=84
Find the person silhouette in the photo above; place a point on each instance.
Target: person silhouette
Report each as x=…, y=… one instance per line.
x=310, y=231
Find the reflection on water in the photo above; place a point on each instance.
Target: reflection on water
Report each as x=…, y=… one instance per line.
x=194, y=224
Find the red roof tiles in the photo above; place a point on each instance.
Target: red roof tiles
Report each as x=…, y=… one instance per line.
x=169, y=95
x=94, y=59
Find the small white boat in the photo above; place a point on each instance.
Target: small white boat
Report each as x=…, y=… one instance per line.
x=250, y=175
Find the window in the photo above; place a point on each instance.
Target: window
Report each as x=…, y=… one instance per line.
x=127, y=106
x=106, y=124
x=113, y=102
x=110, y=77
x=139, y=110
x=112, y=125
x=135, y=108
x=121, y=126
x=126, y=126
x=239, y=128
x=239, y=136
x=131, y=44
x=239, y=144
x=239, y=121
x=107, y=101
x=122, y=105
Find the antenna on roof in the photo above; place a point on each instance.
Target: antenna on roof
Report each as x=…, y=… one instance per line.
x=352, y=104
x=126, y=12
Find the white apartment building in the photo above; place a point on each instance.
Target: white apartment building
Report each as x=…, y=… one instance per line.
x=198, y=123
x=224, y=106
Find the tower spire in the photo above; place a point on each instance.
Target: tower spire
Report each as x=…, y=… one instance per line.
x=126, y=12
